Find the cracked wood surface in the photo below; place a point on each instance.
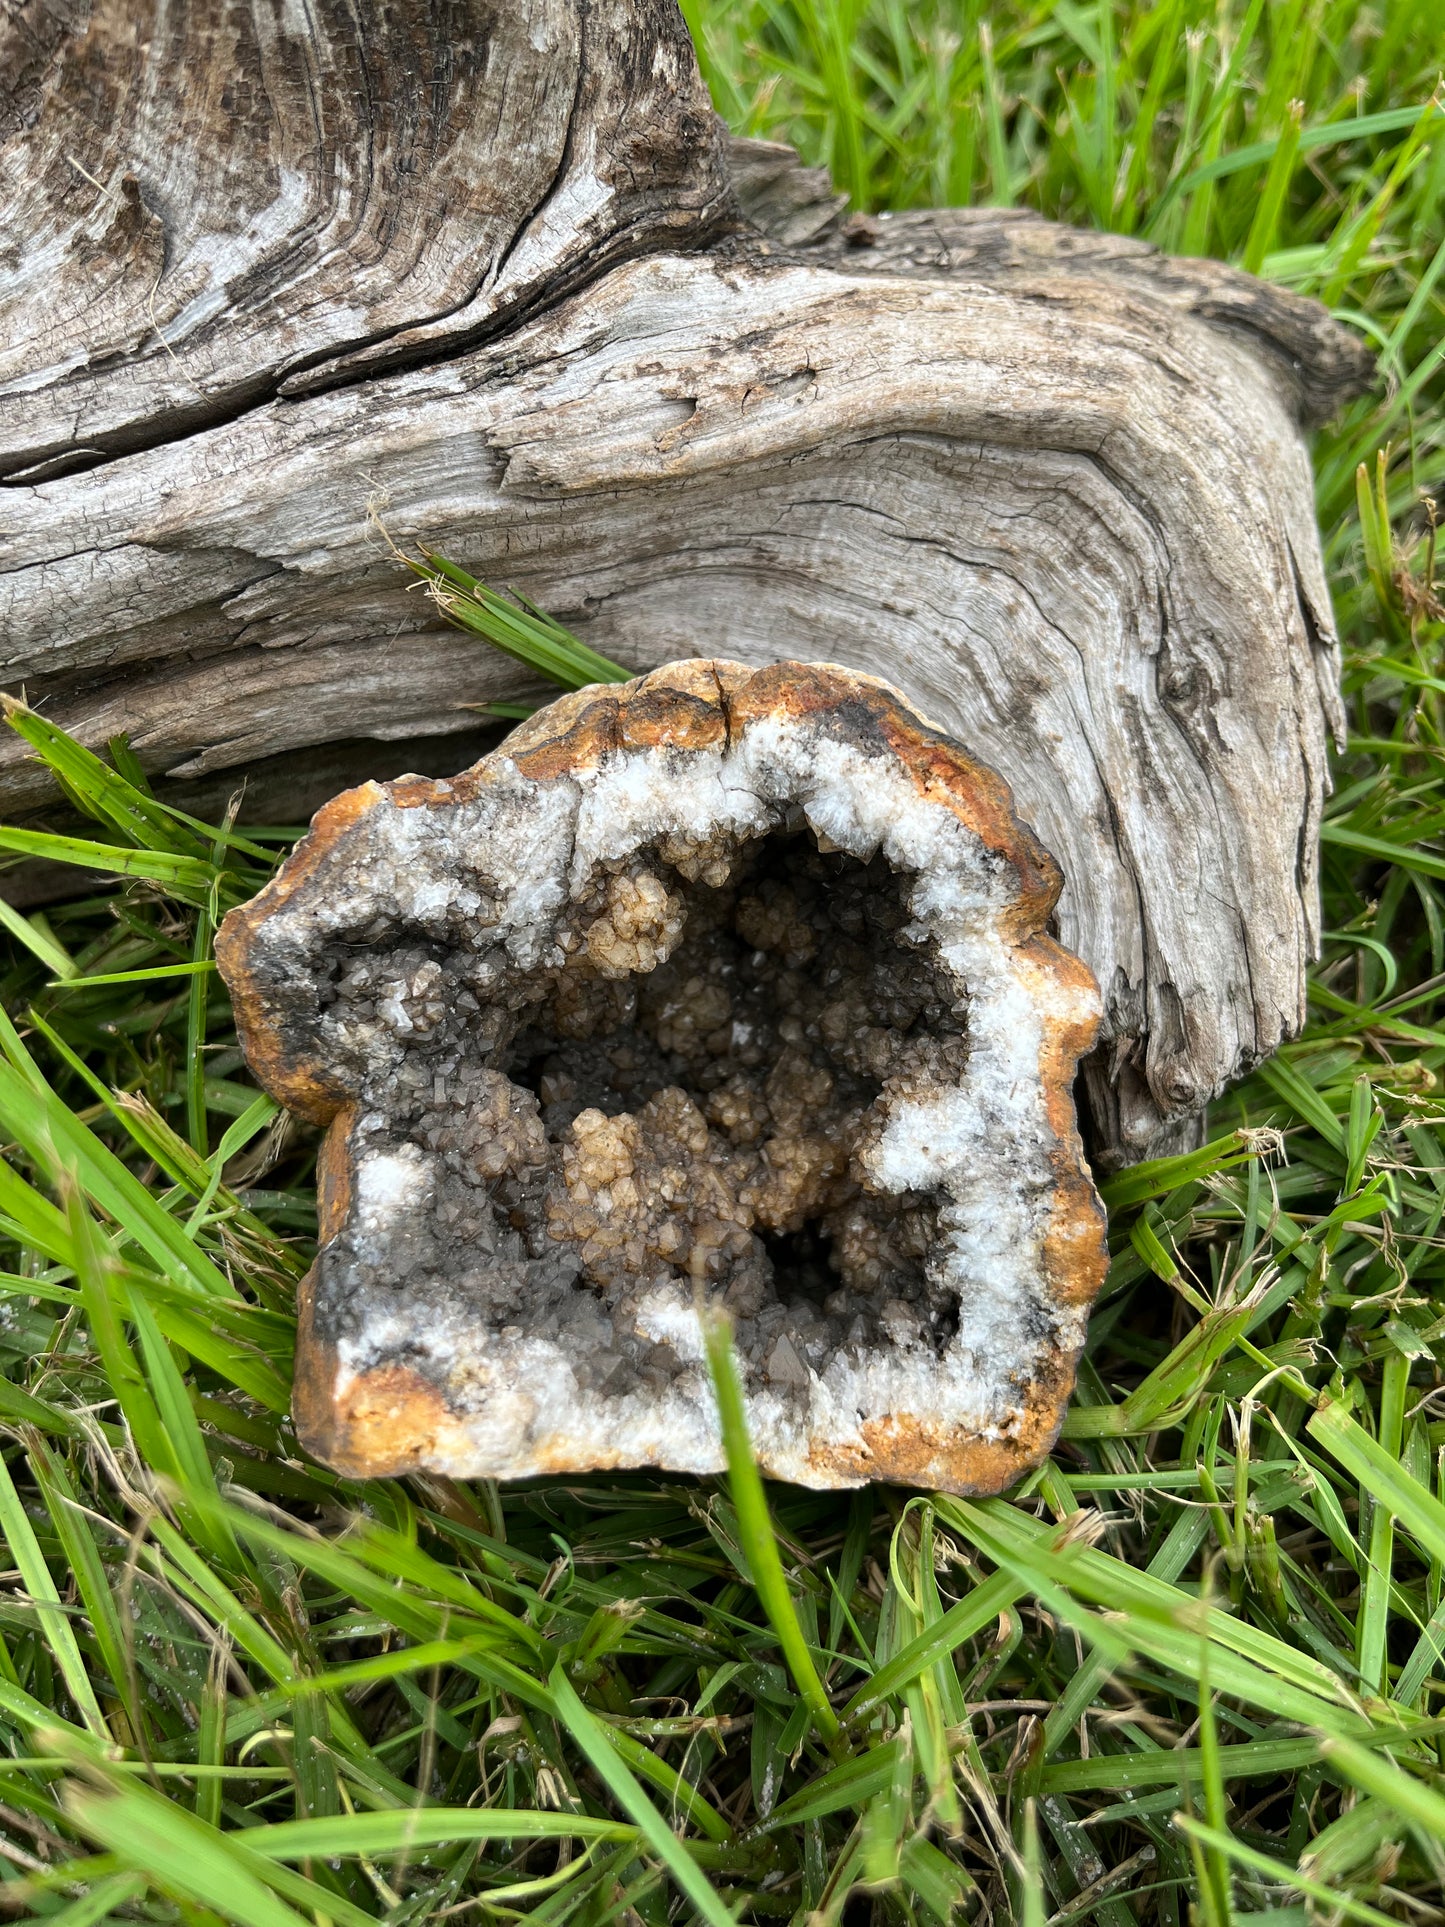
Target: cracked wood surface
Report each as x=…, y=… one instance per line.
x=209, y=203
x=1054, y=485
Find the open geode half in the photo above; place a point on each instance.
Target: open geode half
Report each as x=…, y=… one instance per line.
x=722, y=986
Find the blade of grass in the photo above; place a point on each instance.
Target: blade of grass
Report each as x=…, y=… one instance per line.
x=148, y=976
x=1390, y=1486
x=39, y=1584
x=755, y=1528
x=1230, y=1847
x=84, y=1561
x=187, y=877
x=380, y=1835
x=41, y=943
x=592, y=1741
x=520, y=632
x=1374, y=1620
x=1377, y=1774
x=1264, y=228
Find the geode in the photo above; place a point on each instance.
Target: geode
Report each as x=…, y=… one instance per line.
x=723, y=988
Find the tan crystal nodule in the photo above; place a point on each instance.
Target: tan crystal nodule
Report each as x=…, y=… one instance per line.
x=723, y=987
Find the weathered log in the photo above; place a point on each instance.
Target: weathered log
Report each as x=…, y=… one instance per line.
x=1054, y=485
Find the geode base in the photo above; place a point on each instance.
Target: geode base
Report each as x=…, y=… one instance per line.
x=720, y=988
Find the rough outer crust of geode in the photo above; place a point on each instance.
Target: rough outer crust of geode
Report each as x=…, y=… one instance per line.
x=723, y=986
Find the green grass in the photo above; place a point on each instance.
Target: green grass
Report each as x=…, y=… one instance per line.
x=1193, y=1669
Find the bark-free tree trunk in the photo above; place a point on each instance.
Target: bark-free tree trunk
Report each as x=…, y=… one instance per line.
x=498, y=269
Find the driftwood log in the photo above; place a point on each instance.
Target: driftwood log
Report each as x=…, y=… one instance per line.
x=500, y=269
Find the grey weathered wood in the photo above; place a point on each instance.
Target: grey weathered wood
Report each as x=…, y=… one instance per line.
x=1054, y=485
x=209, y=204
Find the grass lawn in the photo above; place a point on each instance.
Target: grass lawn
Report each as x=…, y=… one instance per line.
x=1193, y=1669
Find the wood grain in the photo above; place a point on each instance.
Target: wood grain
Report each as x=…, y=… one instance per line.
x=212, y=203
x=1054, y=485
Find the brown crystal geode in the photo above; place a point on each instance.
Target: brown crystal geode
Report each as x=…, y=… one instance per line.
x=723, y=985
